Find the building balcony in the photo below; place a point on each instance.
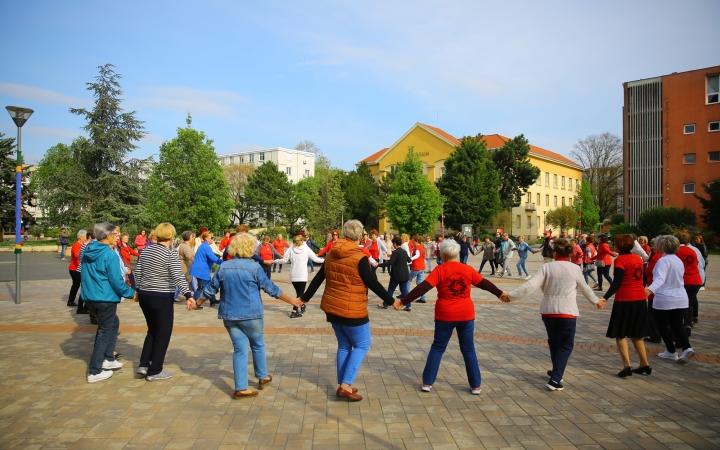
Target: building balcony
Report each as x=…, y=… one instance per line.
x=530, y=206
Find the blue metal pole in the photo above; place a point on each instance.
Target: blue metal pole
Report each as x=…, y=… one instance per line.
x=18, y=217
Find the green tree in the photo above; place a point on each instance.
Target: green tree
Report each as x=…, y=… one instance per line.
x=8, y=163
x=187, y=186
x=105, y=183
x=711, y=205
x=623, y=228
x=658, y=218
x=414, y=203
x=562, y=217
x=470, y=185
x=516, y=171
x=299, y=203
x=600, y=155
x=328, y=202
x=585, y=206
x=362, y=196
x=267, y=193
x=384, y=190
x=503, y=219
x=237, y=177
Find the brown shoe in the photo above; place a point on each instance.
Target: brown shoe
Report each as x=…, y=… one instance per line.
x=241, y=394
x=352, y=396
x=265, y=382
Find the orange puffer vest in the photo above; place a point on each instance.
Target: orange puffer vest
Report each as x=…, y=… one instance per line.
x=345, y=293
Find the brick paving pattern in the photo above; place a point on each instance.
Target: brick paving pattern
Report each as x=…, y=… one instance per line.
x=46, y=403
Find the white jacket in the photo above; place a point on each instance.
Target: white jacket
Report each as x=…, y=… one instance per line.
x=559, y=281
x=298, y=258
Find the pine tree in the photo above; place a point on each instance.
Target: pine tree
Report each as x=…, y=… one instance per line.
x=267, y=193
x=584, y=205
x=414, y=203
x=470, y=185
x=711, y=205
x=187, y=187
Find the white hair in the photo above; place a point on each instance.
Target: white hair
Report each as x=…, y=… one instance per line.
x=450, y=248
x=81, y=233
x=102, y=230
x=353, y=230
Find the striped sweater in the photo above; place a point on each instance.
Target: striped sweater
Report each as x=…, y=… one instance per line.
x=158, y=270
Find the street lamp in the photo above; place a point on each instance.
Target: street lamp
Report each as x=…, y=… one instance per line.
x=19, y=115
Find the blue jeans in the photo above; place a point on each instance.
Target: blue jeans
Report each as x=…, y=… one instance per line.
x=404, y=287
x=438, y=260
x=604, y=272
x=106, y=335
x=464, y=258
x=561, y=336
x=428, y=263
x=312, y=267
x=62, y=250
x=201, y=285
x=353, y=345
x=418, y=276
x=521, y=266
x=242, y=333
x=466, y=336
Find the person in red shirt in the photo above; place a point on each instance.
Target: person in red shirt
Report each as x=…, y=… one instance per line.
x=329, y=246
x=372, y=245
x=603, y=261
x=227, y=238
x=417, y=266
x=589, y=260
x=692, y=278
x=651, y=330
x=267, y=252
x=140, y=241
x=454, y=310
x=74, y=274
x=125, y=250
x=629, y=311
x=279, y=245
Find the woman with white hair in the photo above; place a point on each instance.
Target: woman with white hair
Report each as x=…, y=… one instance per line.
x=671, y=298
x=239, y=281
x=298, y=256
x=454, y=310
x=348, y=276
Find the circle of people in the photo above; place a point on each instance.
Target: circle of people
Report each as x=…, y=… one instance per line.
x=655, y=292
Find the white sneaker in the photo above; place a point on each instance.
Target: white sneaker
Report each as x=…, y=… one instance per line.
x=425, y=388
x=112, y=365
x=671, y=356
x=142, y=370
x=476, y=391
x=161, y=376
x=686, y=355
x=104, y=375
x=528, y=277
x=702, y=288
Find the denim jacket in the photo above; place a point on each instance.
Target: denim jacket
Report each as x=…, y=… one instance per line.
x=523, y=249
x=239, y=281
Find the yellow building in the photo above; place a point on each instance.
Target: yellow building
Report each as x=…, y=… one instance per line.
x=557, y=185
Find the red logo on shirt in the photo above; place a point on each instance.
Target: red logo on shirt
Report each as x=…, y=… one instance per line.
x=689, y=260
x=457, y=287
x=638, y=273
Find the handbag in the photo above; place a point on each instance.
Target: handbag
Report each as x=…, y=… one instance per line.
x=599, y=263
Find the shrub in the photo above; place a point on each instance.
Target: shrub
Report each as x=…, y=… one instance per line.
x=624, y=228
x=657, y=219
x=617, y=219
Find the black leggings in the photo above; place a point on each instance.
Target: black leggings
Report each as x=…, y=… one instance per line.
x=299, y=290
x=75, y=275
x=669, y=322
x=159, y=314
x=692, y=310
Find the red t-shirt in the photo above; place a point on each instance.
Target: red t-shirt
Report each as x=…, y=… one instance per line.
x=632, y=288
x=453, y=281
x=419, y=263
x=654, y=258
x=373, y=249
x=74, y=256
x=266, y=252
x=689, y=258
x=224, y=243
x=280, y=246
x=604, y=254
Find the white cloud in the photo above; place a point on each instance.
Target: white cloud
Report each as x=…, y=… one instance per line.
x=195, y=101
x=40, y=95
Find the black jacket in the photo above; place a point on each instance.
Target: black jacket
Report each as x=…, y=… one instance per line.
x=398, y=264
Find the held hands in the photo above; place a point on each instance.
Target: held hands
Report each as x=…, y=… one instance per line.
x=648, y=293
x=135, y=297
x=191, y=305
x=601, y=303
x=397, y=305
x=268, y=262
x=504, y=297
x=296, y=302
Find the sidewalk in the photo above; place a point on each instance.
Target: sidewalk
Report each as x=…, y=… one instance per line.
x=46, y=403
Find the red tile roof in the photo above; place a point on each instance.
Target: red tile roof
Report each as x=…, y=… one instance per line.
x=450, y=138
x=374, y=157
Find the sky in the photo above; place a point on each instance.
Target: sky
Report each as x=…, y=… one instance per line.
x=352, y=77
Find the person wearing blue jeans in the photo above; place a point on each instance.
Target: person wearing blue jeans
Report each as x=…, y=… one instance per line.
x=202, y=265
x=561, y=339
x=353, y=344
x=522, y=249
x=63, y=242
x=247, y=335
x=399, y=273
x=466, y=337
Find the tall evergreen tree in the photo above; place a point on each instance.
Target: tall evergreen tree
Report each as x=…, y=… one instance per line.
x=516, y=171
x=585, y=205
x=8, y=164
x=328, y=203
x=414, y=203
x=711, y=205
x=267, y=193
x=187, y=186
x=470, y=185
x=362, y=196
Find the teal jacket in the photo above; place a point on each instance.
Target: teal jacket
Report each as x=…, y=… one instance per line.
x=101, y=278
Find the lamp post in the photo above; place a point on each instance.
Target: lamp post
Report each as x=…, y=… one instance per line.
x=19, y=115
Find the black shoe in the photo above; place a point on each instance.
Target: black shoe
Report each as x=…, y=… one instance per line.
x=273, y=271
x=549, y=374
x=82, y=311
x=654, y=341
x=689, y=331
x=491, y=273
x=420, y=301
x=407, y=308
x=302, y=308
x=399, y=297
x=213, y=304
x=199, y=307
x=626, y=372
x=72, y=304
x=554, y=386
x=383, y=306
x=647, y=370
x=295, y=314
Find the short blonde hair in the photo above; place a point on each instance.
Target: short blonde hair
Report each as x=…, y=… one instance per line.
x=643, y=240
x=405, y=237
x=298, y=241
x=164, y=232
x=353, y=230
x=242, y=245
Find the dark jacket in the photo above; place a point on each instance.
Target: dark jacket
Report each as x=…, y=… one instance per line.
x=397, y=263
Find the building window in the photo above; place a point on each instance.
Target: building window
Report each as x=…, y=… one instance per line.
x=537, y=224
x=689, y=129
x=307, y=173
x=577, y=185
x=529, y=222
x=251, y=157
x=713, y=126
x=262, y=156
x=517, y=221
x=570, y=201
x=713, y=89
x=555, y=200
x=689, y=188
x=288, y=171
x=538, y=199
x=714, y=157
x=547, y=179
x=539, y=180
x=242, y=159
x=547, y=200
x=562, y=182
x=689, y=158
x=555, y=181
x=563, y=201
x=232, y=160
x=529, y=198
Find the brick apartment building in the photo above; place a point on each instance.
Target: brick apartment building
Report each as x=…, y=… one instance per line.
x=671, y=139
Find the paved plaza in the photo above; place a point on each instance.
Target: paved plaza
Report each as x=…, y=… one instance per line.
x=45, y=401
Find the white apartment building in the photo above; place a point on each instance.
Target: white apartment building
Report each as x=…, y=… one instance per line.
x=296, y=164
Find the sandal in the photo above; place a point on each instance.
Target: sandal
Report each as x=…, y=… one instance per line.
x=295, y=314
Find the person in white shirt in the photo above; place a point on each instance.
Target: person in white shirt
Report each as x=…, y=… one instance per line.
x=559, y=281
x=671, y=299
x=297, y=255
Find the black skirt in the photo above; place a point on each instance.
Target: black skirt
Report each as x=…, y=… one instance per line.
x=627, y=319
